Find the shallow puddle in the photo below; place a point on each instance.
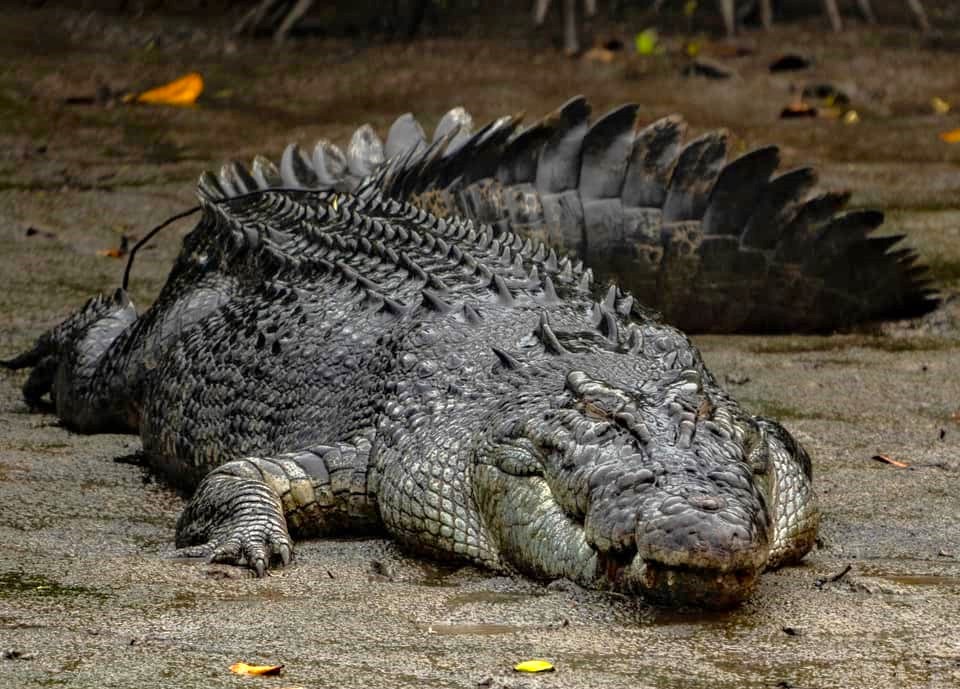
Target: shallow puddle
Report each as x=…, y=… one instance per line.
x=481, y=628
x=922, y=580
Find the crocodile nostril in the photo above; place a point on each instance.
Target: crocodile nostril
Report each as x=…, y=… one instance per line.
x=707, y=503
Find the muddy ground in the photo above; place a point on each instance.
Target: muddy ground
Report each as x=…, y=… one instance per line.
x=86, y=597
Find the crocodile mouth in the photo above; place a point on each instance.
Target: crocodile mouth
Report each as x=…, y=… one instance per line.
x=536, y=536
x=669, y=585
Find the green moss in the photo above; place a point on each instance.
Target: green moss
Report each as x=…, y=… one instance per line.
x=20, y=584
x=794, y=345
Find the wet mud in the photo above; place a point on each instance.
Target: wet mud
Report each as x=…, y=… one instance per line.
x=87, y=597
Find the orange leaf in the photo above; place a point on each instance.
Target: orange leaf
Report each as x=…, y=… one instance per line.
x=891, y=461
x=182, y=91
x=244, y=669
x=112, y=253
x=951, y=137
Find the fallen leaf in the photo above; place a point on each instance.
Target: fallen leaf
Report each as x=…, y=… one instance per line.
x=117, y=251
x=31, y=231
x=851, y=117
x=599, y=55
x=702, y=67
x=244, y=669
x=534, y=666
x=951, y=137
x=826, y=92
x=939, y=105
x=891, y=461
x=180, y=92
x=798, y=109
x=646, y=42
x=691, y=48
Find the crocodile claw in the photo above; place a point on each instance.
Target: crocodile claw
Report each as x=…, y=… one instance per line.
x=237, y=521
x=248, y=549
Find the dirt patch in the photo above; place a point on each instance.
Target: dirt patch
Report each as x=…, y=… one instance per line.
x=86, y=596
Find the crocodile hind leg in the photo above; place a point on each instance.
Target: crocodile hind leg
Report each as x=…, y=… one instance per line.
x=243, y=511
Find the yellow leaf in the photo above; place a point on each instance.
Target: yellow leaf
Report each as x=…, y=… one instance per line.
x=689, y=7
x=851, y=117
x=533, y=666
x=244, y=669
x=951, y=137
x=939, y=105
x=182, y=91
x=646, y=42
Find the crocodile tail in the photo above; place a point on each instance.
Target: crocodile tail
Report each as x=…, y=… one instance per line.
x=715, y=246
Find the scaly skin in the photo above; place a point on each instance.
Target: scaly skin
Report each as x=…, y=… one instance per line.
x=326, y=363
x=713, y=245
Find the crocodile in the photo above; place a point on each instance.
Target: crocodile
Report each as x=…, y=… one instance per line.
x=344, y=360
x=713, y=246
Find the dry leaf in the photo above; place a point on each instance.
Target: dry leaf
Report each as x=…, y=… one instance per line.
x=939, y=105
x=600, y=55
x=951, y=137
x=891, y=461
x=534, y=666
x=244, y=669
x=851, y=117
x=182, y=91
x=798, y=109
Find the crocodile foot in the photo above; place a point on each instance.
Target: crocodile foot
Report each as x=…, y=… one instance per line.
x=235, y=518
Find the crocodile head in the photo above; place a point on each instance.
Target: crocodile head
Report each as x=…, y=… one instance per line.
x=643, y=479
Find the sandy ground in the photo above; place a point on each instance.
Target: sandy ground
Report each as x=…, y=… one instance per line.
x=86, y=597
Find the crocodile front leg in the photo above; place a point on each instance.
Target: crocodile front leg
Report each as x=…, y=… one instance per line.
x=241, y=511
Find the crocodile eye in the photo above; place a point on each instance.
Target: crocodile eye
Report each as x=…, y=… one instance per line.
x=594, y=411
x=595, y=399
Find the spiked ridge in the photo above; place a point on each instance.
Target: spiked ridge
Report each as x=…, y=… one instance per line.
x=712, y=245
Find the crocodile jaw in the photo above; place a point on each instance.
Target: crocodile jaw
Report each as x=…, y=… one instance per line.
x=534, y=535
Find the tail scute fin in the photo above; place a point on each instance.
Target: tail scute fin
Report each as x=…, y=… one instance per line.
x=655, y=150
x=694, y=174
x=606, y=154
x=738, y=189
x=558, y=167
